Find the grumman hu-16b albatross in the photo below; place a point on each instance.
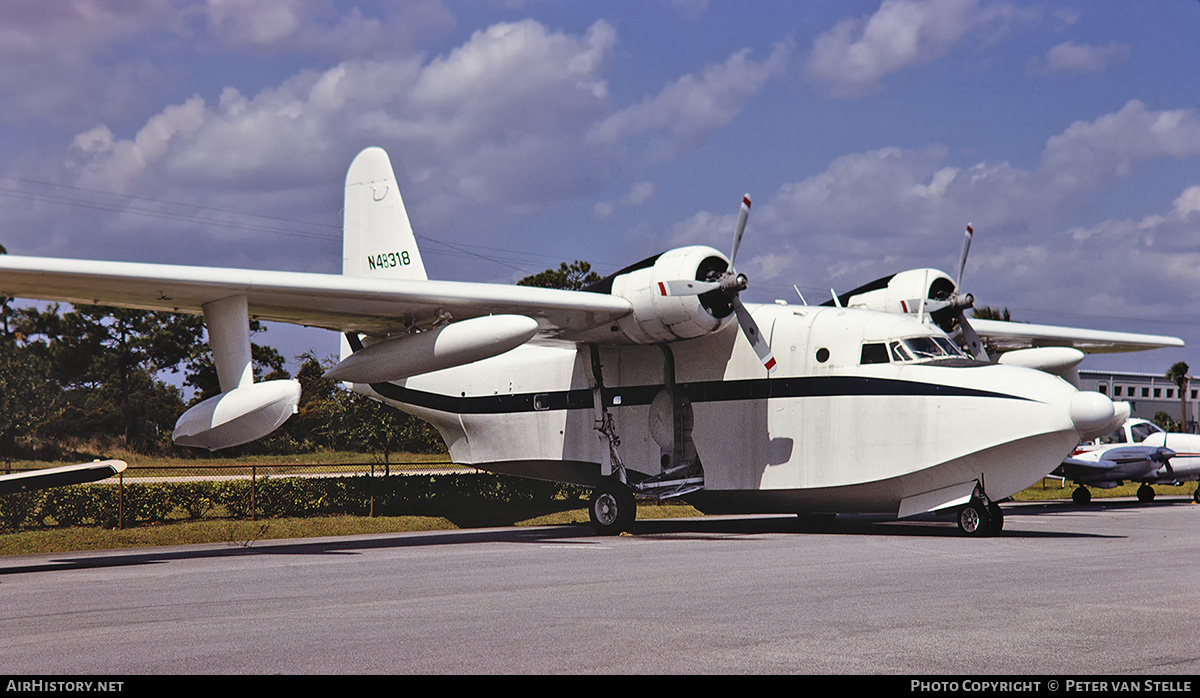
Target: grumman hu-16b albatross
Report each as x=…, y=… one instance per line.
x=656, y=382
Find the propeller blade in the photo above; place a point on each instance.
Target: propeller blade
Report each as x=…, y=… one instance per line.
x=962, y=256
x=757, y=340
x=740, y=229
x=971, y=337
x=684, y=287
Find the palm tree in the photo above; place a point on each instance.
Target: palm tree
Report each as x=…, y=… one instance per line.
x=1179, y=375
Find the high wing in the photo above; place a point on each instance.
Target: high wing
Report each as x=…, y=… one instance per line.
x=1009, y=336
x=59, y=477
x=375, y=306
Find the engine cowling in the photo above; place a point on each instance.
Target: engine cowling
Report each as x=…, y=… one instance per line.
x=660, y=317
x=900, y=293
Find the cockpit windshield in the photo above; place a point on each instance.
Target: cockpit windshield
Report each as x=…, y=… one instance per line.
x=925, y=348
x=912, y=350
x=1142, y=431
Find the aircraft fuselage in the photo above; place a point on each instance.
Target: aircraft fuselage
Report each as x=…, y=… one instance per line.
x=825, y=432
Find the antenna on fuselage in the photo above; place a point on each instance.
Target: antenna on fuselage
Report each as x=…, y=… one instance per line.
x=800, y=294
x=836, y=303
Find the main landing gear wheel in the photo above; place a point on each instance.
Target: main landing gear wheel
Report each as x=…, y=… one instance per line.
x=1145, y=493
x=612, y=509
x=1081, y=495
x=977, y=519
x=997, y=518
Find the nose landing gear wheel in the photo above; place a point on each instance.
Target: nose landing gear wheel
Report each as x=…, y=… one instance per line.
x=1081, y=495
x=1145, y=493
x=612, y=509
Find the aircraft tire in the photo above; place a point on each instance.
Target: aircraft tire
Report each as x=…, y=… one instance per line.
x=612, y=509
x=1081, y=495
x=1145, y=493
x=996, y=516
x=1196, y=494
x=973, y=519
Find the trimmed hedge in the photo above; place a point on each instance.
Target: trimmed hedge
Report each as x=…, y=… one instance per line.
x=277, y=497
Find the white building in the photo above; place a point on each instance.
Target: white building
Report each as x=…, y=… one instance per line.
x=1147, y=393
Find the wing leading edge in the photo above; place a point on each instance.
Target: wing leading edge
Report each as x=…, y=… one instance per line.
x=342, y=303
x=1009, y=336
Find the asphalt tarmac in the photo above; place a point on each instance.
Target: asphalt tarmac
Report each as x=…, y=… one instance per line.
x=1110, y=588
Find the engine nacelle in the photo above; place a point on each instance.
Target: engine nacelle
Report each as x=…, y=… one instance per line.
x=238, y=416
x=658, y=317
x=900, y=293
x=455, y=344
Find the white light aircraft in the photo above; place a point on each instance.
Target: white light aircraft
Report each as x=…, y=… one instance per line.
x=657, y=381
x=1138, y=451
x=60, y=476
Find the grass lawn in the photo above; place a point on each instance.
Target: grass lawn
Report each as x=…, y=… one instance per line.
x=246, y=533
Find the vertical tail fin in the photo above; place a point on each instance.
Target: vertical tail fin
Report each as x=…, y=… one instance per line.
x=378, y=240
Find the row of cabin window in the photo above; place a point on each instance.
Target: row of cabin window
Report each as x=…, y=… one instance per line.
x=1145, y=392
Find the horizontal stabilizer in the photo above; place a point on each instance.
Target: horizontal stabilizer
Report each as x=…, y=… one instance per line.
x=60, y=477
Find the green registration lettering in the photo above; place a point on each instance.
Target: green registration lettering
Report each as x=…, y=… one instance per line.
x=387, y=260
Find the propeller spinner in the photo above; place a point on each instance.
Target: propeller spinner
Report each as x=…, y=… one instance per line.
x=728, y=286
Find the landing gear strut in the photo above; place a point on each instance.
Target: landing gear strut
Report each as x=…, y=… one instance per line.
x=612, y=508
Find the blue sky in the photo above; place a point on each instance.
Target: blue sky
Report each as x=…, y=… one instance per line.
x=525, y=133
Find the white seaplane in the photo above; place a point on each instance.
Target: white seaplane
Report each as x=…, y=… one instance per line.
x=656, y=382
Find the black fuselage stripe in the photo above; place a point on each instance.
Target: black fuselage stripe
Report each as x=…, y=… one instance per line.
x=699, y=392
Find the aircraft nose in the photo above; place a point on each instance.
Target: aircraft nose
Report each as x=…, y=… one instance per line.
x=1092, y=413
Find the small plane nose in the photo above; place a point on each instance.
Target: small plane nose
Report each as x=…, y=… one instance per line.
x=1092, y=413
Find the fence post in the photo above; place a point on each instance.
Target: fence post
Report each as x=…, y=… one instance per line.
x=121, y=499
x=253, y=479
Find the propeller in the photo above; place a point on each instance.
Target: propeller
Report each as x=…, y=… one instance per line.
x=950, y=313
x=728, y=285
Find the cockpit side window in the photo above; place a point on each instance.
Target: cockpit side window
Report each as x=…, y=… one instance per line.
x=874, y=354
x=898, y=352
